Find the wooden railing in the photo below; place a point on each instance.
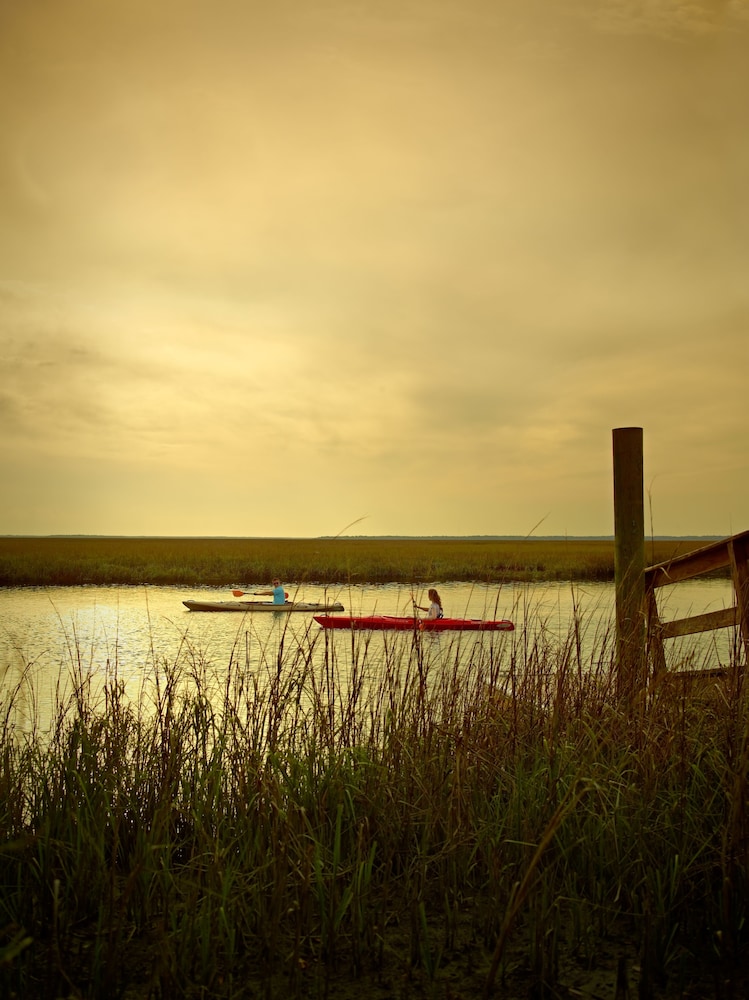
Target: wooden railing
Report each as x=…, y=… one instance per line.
x=731, y=552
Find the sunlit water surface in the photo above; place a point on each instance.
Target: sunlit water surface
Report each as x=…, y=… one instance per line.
x=55, y=639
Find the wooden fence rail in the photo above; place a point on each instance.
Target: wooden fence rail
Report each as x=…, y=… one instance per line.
x=731, y=552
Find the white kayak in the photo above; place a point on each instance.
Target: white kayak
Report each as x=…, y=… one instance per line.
x=245, y=606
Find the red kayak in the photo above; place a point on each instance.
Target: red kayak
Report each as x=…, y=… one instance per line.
x=379, y=622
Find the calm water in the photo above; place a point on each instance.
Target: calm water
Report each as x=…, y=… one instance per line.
x=54, y=638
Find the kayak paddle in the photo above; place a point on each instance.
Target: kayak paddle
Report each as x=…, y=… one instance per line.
x=248, y=593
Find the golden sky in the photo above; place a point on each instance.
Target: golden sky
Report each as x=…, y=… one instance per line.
x=271, y=266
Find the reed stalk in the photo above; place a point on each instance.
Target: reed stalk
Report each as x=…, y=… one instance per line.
x=442, y=818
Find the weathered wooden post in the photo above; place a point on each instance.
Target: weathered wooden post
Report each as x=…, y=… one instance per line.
x=629, y=560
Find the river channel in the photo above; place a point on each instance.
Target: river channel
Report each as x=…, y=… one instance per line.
x=54, y=639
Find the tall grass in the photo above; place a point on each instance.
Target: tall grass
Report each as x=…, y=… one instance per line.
x=423, y=826
x=223, y=561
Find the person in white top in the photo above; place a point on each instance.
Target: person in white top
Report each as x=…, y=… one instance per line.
x=435, y=608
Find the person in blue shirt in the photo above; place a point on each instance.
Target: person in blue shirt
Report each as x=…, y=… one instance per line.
x=278, y=593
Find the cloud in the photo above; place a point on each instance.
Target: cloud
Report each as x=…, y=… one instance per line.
x=363, y=251
x=669, y=18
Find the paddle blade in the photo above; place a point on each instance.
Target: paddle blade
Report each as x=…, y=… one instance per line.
x=238, y=593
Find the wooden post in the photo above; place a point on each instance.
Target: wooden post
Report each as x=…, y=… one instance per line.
x=629, y=559
x=738, y=551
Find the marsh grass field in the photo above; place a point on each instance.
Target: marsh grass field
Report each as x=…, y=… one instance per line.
x=52, y=561
x=510, y=829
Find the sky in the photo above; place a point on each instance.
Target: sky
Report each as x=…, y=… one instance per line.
x=301, y=267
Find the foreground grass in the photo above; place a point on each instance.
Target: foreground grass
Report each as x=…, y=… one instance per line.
x=414, y=830
x=220, y=562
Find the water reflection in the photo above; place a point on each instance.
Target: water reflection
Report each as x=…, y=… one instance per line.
x=55, y=642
